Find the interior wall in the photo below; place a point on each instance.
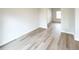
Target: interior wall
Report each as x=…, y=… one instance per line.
x=45, y=17
x=0, y=29
x=0, y=26
x=68, y=20
x=17, y=22
x=76, y=24
x=49, y=15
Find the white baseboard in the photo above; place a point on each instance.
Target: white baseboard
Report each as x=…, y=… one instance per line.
x=12, y=39
x=76, y=37
x=43, y=27
x=6, y=42
x=69, y=32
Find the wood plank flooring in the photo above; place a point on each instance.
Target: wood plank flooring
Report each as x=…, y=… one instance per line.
x=44, y=39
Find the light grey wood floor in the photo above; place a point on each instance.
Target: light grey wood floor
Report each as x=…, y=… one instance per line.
x=44, y=39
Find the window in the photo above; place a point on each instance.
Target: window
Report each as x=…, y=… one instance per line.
x=58, y=14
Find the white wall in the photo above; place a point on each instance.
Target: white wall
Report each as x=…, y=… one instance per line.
x=1, y=26
x=45, y=17
x=68, y=20
x=49, y=15
x=0, y=29
x=18, y=22
x=77, y=24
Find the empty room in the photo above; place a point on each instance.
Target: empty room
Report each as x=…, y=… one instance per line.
x=39, y=29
